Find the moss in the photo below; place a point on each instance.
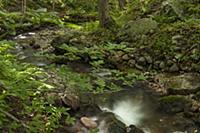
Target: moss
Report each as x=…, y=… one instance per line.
x=172, y=99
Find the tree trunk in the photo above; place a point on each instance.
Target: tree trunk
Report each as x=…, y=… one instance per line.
x=104, y=17
x=122, y=4
x=24, y=6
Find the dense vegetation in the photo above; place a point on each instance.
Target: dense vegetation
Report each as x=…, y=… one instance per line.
x=118, y=42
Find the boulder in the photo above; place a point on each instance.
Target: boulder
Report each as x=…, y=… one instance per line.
x=89, y=123
x=138, y=27
x=134, y=129
x=173, y=104
x=112, y=124
x=174, y=68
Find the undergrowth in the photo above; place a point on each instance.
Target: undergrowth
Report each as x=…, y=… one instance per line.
x=23, y=105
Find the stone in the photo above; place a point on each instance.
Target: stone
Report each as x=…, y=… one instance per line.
x=156, y=64
x=173, y=104
x=125, y=57
x=169, y=62
x=131, y=30
x=112, y=124
x=162, y=65
x=141, y=61
x=131, y=63
x=71, y=100
x=149, y=59
x=82, y=37
x=134, y=129
x=139, y=67
x=174, y=68
x=89, y=123
x=120, y=53
x=73, y=40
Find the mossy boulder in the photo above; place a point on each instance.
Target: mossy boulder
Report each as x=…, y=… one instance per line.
x=173, y=104
x=137, y=28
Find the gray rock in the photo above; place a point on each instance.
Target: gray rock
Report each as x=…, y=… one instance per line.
x=125, y=57
x=156, y=64
x=120, y=53
x=141, y=61
x=169, y=62
x=133, y=29
x=162, y=65
x=174, y=68
x=134, y=129
x=131, y=63
x=139, y=67
x=149, y=59
x=113, y=125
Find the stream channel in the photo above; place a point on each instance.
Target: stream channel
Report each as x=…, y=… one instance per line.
x=133, y=105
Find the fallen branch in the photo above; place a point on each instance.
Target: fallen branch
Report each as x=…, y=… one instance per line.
x=14, y=118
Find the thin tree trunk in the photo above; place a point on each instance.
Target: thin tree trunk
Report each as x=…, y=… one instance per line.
x=24, y=6
x=104, y=17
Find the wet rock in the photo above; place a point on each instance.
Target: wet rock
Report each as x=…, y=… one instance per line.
x=174, y=68
x=134, y=129
x=181, y=91
x=112, y=124
x=173, y=104
x=89, y=123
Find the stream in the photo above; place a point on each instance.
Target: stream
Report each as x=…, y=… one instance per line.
x=132, y=106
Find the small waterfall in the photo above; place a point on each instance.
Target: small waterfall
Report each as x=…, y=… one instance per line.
x=128, y=111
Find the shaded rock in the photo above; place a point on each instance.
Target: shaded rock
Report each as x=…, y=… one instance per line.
x=156, y=64
x=185, y=91
x=170, y=62
x=131, y=63
x=120, y=53
x=141, y=61
x=134, y=129
x=173, y=104
x=112, y=124
x=139, y=67
x=89, y=123
x=162, y=65
x=71, y=100
x=132, y=29
x=125, y=57
x=174, y=68
x=149, y=59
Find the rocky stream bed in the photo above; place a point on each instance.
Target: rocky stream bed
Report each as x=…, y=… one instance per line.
x=163, y=103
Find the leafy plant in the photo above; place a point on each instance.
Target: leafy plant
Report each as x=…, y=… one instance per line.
x=23, y=105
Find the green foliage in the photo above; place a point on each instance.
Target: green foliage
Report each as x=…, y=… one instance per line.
x=23, y=104
x=97, y=54
x=98, y=81
x=11, y=22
